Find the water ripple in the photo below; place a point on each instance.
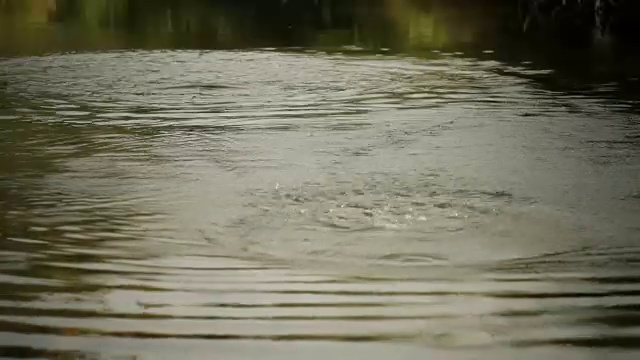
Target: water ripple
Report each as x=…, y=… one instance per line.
x=198, y=200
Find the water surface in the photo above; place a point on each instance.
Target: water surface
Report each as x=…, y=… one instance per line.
x=310, y=201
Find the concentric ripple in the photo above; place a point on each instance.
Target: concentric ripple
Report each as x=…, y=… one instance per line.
x=261, y=204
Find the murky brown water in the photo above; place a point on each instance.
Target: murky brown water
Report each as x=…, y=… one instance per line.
x=316, y=202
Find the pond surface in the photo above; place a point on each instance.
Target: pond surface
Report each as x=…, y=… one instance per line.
x=395, y=181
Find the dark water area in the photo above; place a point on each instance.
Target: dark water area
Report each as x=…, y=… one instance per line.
x=309, y=179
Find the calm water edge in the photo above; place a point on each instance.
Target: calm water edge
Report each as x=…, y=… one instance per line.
x=313, y=179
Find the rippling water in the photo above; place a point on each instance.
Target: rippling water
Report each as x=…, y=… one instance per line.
x=287, y=204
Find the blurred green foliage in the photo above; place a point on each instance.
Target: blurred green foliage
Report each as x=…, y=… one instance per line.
x=34, y=26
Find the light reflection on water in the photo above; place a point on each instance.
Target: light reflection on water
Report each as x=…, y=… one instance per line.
x=279, y=196
x=287, y=203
